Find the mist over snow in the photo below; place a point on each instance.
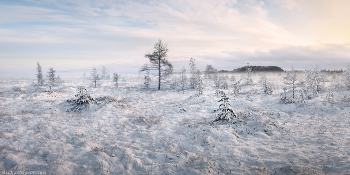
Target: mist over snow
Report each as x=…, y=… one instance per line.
x=137, y=87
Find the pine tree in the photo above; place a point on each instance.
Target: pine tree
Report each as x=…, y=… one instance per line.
x=159, y=63
x=39, y=75
x=52, y=78
x=225, y=110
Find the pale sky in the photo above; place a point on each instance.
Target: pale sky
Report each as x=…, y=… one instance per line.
x=75, y=35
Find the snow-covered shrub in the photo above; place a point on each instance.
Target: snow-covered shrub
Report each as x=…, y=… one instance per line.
x=95, y=77
x=346, y=77
x=301, y=99
x=330, y=97
x=236, y=88
x=225, y=110
x=285, y=98
x=116, y=79
x=346, y=98
x=314, y=81
x=247, y=97
x=290, y=79
x=266, y=87
x=81, y=101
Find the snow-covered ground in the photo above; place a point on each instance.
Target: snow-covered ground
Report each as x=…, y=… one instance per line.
x=138, y=131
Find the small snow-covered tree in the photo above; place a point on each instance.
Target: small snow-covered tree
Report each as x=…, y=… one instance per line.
x=81, y=101
x=209, y=71
x=217, y=79
x=236, y=88
x=95, y=77
x=146, y=78
x=285, y=98
x=104, y=74
x=330, y=97
x=52, y=78
x=59, y=81
x=39, y=75
x=266, y=87
x=199, y=83
x=290, y=79
x=346, y=77
x=115, y=79
x=248, y=73
x=183, y=79
x=193, y=73
x=314, y=81
x=159, y=63
x=225, y=110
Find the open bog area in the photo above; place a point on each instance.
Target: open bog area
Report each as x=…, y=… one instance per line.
x=133, y=130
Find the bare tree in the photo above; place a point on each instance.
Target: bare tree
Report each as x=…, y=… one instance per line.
x=95, y=77
x=39, y=75
x=159, y=62
x=52, y=78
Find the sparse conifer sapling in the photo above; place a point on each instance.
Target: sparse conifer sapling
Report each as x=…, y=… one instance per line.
x=146, y=78
x=81, y=101
x=95, y=77
x=193, y=73
x=183, y=79
x=266, y=87
x=248, y=73
x=199, y=83
x=39, y=75
x=236, y=88
x=52, y=78
x=226, y=113
x=115, y=79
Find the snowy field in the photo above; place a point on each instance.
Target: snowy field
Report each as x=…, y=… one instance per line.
x=137, y=131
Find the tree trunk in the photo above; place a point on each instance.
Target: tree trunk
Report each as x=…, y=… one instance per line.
x=159, y=72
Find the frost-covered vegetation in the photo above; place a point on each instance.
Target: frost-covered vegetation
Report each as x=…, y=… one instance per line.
x=88, y=126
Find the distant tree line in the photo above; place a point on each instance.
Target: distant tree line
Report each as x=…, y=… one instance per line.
x=259, y=68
